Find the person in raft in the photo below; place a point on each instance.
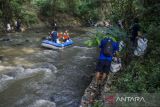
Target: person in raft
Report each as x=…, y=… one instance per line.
x=54, y=36
x=66, y=36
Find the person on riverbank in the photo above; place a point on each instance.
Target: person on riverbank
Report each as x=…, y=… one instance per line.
x=18, y=25
x=135, y=29
x=54, y=26
x=120, y=23
x=141, y=44
x=9, y=27
x=109, y=48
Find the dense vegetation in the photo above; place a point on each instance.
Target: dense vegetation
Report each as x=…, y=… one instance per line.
x=143, y=74
x=146, y=10
x=11, y=10
x=140, y=75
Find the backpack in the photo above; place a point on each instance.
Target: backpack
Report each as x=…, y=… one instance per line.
x=108, y=48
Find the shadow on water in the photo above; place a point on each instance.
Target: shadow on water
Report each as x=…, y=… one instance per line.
x=31, y=76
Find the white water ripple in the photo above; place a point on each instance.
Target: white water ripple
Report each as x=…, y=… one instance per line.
x=43, y=103
x=18, y=73
x=4, y=81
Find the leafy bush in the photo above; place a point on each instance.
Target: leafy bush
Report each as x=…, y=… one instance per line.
x=98, y=104
x=45, y=7
x=29, y=17
x=17, y=9
x=140, y=77
x=114, y=32
x=143, y=75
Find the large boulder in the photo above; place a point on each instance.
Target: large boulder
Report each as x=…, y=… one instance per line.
x=103, y=23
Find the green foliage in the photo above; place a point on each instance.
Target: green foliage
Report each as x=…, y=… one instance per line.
x=147, y=11
x=17, y=9
x=82, y=9
x=29, y=17
x=114, y=32
x=143, y=75
x=86, y=11
x=98, y=104
x=138, y=7
x=154, y=32
x=45, y=7
x=140, y=77
x=95, y=40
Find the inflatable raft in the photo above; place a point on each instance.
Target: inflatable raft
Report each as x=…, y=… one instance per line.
x=53, y=45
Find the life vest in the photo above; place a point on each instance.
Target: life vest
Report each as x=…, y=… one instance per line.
x=66, y=36
x=60, y=35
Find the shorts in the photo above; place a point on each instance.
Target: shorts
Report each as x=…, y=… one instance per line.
x=103, y=66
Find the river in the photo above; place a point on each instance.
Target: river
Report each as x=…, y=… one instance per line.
x=32, y=76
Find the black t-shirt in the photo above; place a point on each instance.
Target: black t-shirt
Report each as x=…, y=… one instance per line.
x=135, y=29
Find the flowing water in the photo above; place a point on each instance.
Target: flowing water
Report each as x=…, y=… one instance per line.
x=32, y=76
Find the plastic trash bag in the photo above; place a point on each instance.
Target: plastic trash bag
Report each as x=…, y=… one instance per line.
x=121, y=45
x=116, y=65
x=141, y=47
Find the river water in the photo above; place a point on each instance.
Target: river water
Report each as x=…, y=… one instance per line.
x=32, y=76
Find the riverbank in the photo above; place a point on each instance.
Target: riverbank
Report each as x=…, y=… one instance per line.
x=94, y=95
x=139, y=75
